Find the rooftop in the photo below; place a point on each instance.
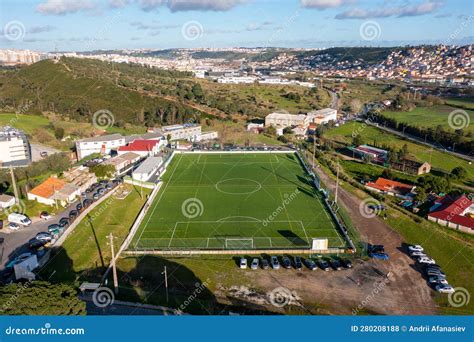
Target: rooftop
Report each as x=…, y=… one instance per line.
x=139, y=145
x=148, y=165
x=99, y=138
x=450, y=209
x=388, y=185
x=48, y=187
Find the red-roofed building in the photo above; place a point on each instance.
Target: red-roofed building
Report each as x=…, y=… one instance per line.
x=392, y=188
x=144, y=148
x=454, y=213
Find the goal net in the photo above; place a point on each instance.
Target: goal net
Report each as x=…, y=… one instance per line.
x=239, y=243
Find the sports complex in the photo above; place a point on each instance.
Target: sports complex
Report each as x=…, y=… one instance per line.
x=235, y=201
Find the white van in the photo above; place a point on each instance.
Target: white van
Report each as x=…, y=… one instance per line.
x=19, y=219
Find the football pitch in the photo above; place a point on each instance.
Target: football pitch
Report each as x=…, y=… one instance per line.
x=235, y=201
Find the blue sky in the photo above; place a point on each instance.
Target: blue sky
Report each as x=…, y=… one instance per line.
x=78, y=25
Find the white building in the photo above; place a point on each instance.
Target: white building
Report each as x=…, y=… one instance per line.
x=189, y=132
x=322, y=116
x=286, y=120
x=15, y=148
x=6, y=201
x=207, y=136
x=101, y=144
x=147, y=169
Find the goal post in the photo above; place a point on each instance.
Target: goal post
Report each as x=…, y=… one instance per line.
x=239, y=243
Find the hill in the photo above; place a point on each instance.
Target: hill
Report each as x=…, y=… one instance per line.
x=78, y=87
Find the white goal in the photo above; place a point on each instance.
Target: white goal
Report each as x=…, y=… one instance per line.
x=239, y=243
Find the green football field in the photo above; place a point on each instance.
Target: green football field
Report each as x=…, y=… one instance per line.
x=234, y=201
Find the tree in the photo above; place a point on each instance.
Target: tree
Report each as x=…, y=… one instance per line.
x=458, y=173
x=59, y=133
x=357, y=140
x=387, y=173
x=103, y=171
x=40, y=298
x=421, y=194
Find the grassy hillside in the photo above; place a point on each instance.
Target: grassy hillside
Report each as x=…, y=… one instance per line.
x=78, y=88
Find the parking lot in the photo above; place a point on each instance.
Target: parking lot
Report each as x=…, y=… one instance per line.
x=17, y=242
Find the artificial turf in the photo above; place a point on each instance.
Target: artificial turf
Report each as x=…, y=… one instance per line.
x=217, y=201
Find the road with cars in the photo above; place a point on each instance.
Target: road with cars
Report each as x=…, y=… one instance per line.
x=16, y=242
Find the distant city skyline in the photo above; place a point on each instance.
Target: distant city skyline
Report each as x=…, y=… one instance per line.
x=82, y=25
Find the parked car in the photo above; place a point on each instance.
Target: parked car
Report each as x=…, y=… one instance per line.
x=45, y=215
x=73, y=214
x=275, y=263
x=43, y=154
x=44, y=236
x=415, y=248
x=101, y=191
x=426, y=260
x=375, y=249
x=346, y=263
x=436, y=279
x=18, y=259
x=243, y=263
x=52, y=227
x=335, y=264
x=297, y=262
x=323, y=264
x=64, y=222
x=35, y=243
x=86, y=203
x=265, y=264
x=435, y=272
x=379, y=256
x=95, y=196
x=442, y=288
x=13, y=226
x=19, y=219
x=310, y=264
x=254, y=264
x=286, y=263
x=417, y=254
x=108, y=186
x=79, y=207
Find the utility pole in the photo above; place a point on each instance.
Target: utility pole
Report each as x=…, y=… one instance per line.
x=166, y=283
x=314, y=147
x=337, y=183
x=114, y=269
x=15, y=190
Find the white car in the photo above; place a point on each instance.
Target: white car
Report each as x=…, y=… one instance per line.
x=417, y=254
x=426, y=260
x=415, y=248
x=13, y=226
x=243, y=263
x=444, y=288
x=254, y=264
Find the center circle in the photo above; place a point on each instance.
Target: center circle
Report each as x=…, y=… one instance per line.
x=238, y=186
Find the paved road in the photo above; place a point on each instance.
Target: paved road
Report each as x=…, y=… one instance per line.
x=16, y=242
x=36, y=149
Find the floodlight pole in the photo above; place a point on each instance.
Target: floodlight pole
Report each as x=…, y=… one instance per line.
x=15, y=190
x=166, y=283
x=337, y=183
x=114, y=269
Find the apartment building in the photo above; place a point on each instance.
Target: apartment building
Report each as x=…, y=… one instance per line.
x=15, y=149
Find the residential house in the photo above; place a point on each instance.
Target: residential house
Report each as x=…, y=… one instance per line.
x=392, y=188
x=456, y=213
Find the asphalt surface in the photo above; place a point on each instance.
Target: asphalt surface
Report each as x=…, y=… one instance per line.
x=16, y=242
x=36, y=150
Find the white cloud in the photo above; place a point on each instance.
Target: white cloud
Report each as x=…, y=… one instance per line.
x=61, y=7
x=190, y=5
x=324, y=4
x=422, y=8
